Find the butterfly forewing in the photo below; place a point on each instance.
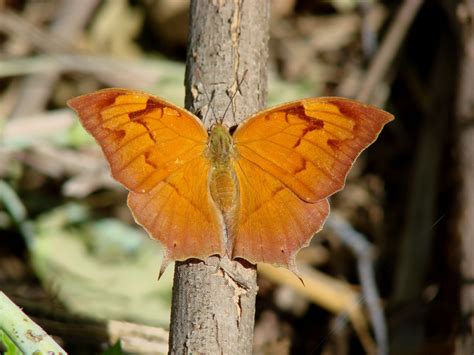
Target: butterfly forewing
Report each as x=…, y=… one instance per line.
x=144, y=138
x=310, y=145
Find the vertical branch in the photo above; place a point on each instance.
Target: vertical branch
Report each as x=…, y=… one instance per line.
x=465, y=120
x=418, y=232
x=214, y=302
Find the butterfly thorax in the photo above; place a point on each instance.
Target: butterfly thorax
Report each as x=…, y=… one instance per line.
x=223, y=181
x=220, y=145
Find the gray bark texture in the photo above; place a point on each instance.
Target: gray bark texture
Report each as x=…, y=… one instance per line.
x=213, y=306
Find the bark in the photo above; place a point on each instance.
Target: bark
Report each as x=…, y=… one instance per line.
x=213, y=305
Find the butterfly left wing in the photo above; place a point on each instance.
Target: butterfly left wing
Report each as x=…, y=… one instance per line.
x=156, y=150
x=294, y=156
x=179, y=212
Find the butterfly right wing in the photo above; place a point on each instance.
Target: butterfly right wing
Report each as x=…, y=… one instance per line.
x=289, y=160
x=156, y=150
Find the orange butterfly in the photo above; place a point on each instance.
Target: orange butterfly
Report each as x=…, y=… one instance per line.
x=259, y=194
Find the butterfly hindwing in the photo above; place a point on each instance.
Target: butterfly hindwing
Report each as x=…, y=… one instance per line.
x=274, y=223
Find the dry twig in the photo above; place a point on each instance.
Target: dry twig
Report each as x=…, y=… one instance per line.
x=387, y=52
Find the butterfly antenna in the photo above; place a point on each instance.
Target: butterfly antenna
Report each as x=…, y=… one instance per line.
x=212, y=106
x=209, y=103
x=239, y=83
x=209, y=99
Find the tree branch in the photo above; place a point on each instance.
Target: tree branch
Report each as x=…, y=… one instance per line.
x=214, y=302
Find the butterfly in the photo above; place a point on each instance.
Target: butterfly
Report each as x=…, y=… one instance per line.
x=258, y=194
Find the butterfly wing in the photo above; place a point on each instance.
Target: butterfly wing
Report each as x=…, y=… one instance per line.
x=290, y=159
x=274, y=223
x=155, y=149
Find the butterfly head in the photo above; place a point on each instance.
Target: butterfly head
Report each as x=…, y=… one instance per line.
x=220, y=144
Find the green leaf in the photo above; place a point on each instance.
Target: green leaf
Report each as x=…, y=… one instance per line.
x=115, y=349
x=8, y=345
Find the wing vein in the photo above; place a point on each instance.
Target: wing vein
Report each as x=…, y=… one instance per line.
x=101, y=122
x=166, y=182
x=339, y=115
x=315, y=145
x=274, y=164
x=164, y=179
x=148, y=132
x=291, y=125
x=266, y=173
x=143, y=151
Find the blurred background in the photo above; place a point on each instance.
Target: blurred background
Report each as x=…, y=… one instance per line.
x=390, y=270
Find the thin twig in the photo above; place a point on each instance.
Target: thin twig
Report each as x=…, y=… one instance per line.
x=36, y=89
x=390, y=46
x=330, y=293
x=13, y=24
x=364, y=251
x=137, y=74
x=36, y=127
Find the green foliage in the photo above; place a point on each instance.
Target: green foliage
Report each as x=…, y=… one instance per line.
x=11, y=348
x=115, y=349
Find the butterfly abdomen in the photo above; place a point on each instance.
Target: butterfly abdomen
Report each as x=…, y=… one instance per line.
x=224, y=188
x=223, y=181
